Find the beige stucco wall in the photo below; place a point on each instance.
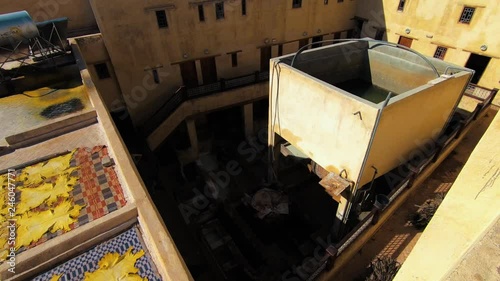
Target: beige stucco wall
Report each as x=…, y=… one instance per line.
x=320, y=121
x=78, y=12
x=468, y=212
x=435, y=23
x=411, y=121
x=94, y=52
x=135, y=42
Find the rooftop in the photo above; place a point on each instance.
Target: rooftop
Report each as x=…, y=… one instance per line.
x=58, y=139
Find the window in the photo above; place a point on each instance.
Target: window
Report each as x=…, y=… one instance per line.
x=405, y=41
x=156, y=78
x=467, y=15
x=219, y=10
x=440, y=52
x=244, y=7
x=401, y=5
x=161, y=19
x=325, y=2
x=201, y=13
x=102, y=70
x=340, y=1
x=296, y=3
x=234, y=59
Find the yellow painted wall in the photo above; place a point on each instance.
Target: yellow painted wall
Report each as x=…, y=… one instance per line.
x=78, y=12
x=410, y=121
x=135, y=42
x=318, y=120
x=436, y=23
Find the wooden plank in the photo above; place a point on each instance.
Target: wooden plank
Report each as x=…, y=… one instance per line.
x=52, y=130
x=49, y=254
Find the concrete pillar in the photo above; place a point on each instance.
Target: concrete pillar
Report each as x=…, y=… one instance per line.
x=193, y=137
x=248, y=118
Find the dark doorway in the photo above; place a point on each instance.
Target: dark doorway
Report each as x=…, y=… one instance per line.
x=316, y=39
x=349, y=34
x=208, y=70
x=479, y=64
x=359, y=27
x=265, y=56
x=379, y=35
x=405, y=41
x=188, y=73
x=336, y=35
x=303, y=42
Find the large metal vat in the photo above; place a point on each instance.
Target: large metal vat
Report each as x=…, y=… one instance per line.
x=16, y=27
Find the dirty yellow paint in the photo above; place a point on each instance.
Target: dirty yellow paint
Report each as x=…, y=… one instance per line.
x=33, y=225
x=36, y=174
x=114, y=266
x=3, y=222
x=3, y=193
x=56, y=277
x=45, y=193
x=26, y=110
x=4, y=232
x=35, y=192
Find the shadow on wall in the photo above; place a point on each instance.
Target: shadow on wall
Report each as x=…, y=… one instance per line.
x=370, y=19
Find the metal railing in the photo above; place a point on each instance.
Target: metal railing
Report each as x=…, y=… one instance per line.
x=477, y=92
x=187, y=93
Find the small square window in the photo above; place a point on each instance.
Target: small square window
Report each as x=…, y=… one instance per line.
x=244, y=7
x=102, y=70
x=201, y=13
x=219, y=10
x=296, y=3
x=325, y=2
x=161, y=19
x=401, y=5
x=340, y=1
x=440, y=52
x=467, y=14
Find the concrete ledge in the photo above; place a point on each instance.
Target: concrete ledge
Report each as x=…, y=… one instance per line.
x=52, y=130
